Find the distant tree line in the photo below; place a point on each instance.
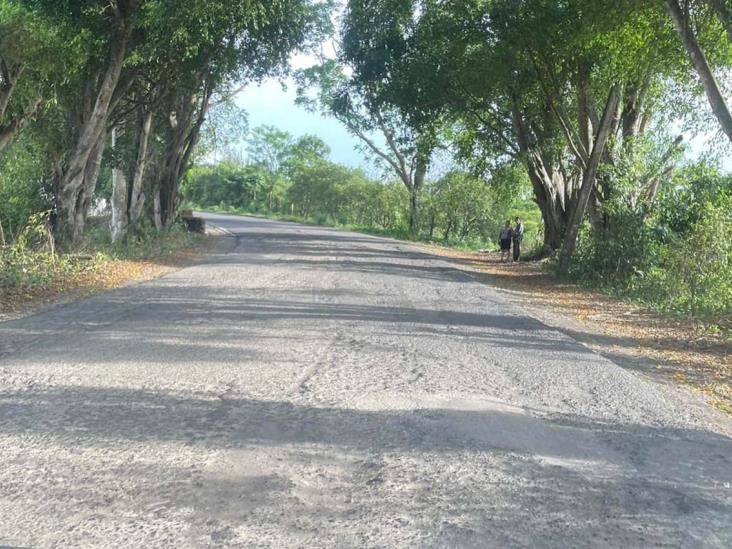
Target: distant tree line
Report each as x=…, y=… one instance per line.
x=293, y=177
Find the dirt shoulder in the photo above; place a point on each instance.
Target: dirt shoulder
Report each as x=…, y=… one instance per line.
x=97, y=278
x=634, y=338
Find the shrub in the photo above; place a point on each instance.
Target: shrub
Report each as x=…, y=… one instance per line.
x=675, y=255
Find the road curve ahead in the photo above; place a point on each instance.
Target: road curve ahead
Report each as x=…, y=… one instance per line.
x=316, y=388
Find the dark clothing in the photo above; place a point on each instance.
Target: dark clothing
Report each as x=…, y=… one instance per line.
x=505, y=239
x=518, y=236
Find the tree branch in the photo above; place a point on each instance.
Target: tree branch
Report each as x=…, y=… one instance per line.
x=572, y=138
x=370, y=143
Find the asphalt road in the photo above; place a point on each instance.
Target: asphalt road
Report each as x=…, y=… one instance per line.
x=313, y=388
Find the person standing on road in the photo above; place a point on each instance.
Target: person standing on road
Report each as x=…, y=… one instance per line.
x=505, y=241
x=518, y=236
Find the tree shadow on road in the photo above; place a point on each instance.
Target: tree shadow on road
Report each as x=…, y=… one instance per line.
x=177, y=324
x=555, y=475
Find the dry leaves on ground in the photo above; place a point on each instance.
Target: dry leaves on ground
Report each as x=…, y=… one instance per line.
x=109, y=275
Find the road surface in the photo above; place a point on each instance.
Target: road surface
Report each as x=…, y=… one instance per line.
x=307, y=387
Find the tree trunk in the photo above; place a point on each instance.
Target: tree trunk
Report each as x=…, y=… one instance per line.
x=9, y=76
x=76, y=223
x=634, y=111
x=586, y=129
x=413, y=211
x=552, y=208
x=76, y=181
x=701, y=65
x=136, y=200
x=157, y=216
x=549, y=185
x=119, y=199
x=10, y=130
x=120, y=222
x=181, y=138
x=8, y=133
x=552, y=236
x=588, y=181
x=420, y=173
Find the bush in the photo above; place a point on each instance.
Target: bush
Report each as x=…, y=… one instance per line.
x=31, y=261
x=693, y=273
x=675, y=255
x=22, y=187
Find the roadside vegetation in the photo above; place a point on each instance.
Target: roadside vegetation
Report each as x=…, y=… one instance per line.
x=105, y=105
x=32, y=272
x=675, y=258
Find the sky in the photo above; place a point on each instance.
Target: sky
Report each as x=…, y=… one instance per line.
x=270, y=104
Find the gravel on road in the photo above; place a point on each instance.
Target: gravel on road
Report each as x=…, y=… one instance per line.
x=307, y=387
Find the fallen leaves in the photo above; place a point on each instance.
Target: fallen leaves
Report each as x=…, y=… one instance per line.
x=88, y=278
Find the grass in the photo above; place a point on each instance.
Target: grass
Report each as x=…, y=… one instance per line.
x=31, y=275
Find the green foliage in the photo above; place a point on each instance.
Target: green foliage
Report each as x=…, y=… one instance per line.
x=22, y=186
x=461, y=206
x=676, y=257
x=227, y=184
x=30, y=262
x=225, y=127
x=146, y=244
x=694, y=274
x=465, y=210
x=513, y=87
x=293, y=177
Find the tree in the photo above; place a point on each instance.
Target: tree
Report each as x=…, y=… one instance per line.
x=223, y=130
x=241, y=42
x=112, y=29
x=527, y=81
x=270, y=149
x=404, y=151
x=165, y=57
x=684, y=14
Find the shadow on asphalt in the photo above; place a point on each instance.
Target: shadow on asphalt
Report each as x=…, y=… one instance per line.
x=557, y=460
x=167, y=319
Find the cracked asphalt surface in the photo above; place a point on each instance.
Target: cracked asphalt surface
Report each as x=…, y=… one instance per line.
x=306, y=387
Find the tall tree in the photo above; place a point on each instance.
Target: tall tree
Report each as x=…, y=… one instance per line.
x=527, y=80
x=232, y=44
x=684, y=14
x=382, y=129
x=113, y=31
